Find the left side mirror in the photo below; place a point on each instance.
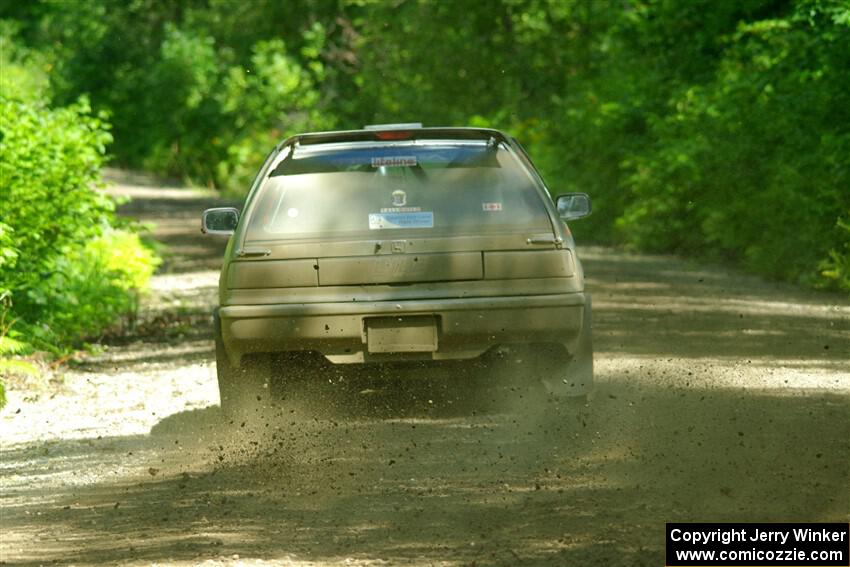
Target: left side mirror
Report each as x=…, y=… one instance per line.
x=222, y=220
x=573, y=205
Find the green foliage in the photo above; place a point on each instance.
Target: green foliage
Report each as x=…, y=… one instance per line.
x=8, y=254
x=94, y=285
x=753, y=166
x=178, y=84
x=50, y=165
x=835, y=269
x=24, y=71
x=65, y=274
x=121, y=256
x=273, y=96
x=716, y=129
x=185, y=102
x=10, y=346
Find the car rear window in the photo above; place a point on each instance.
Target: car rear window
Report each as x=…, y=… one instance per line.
x=411, y=188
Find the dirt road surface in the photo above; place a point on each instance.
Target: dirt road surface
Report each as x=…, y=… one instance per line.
x=720, y=398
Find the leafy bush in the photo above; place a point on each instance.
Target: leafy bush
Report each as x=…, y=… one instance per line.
x=835, y=269
x=50, y=166
x=753, y=166
x=65, y=273
x=95, y=285
x=24, y=73
x=11, y=346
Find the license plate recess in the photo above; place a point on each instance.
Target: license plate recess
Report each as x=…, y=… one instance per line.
x=401, y=334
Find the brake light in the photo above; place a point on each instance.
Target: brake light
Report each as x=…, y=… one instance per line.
x=394, y=135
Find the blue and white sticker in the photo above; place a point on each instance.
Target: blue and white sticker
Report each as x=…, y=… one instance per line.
x=379, y=221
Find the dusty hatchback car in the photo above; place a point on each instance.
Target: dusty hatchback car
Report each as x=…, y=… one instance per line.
x=400, y=243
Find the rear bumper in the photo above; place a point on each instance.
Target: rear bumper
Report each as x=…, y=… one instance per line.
x=466, y=327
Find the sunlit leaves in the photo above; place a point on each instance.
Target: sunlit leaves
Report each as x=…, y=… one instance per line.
x=64, y=274
x=756, y=151
x=703, y=127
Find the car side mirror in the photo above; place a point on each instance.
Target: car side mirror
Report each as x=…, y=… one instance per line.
x=222, y=220
x=573, y=205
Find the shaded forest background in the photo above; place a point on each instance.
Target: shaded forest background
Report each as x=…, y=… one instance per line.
x=712, y=129
x=699, y=127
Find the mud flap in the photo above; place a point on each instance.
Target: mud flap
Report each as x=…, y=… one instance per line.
x=242, y=390
x=577, y=380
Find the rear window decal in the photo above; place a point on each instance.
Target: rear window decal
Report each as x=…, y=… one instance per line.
x=490, y=207
x=399, y=198
x=378, y=221
x=401, y=209
x=394, y=161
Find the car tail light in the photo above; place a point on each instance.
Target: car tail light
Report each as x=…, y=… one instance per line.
x=394, y=135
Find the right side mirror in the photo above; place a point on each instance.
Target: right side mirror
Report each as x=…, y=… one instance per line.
x=573, y=205
x=222, y=220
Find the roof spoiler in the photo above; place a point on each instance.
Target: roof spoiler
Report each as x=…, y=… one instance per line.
x=418, y=133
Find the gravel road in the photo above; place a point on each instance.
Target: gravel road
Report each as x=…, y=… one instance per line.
x=720, y=398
